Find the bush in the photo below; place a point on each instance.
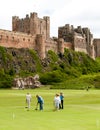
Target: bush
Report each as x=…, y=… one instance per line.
x=52, y=55
x=97, y=82
x=36, y=60
x=6, y=81
x=70, y=84
x=52, y=77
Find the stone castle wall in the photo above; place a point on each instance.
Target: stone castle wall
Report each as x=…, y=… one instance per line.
x=34, y=33
x=17, y=40
x=80, y=43
x=80, y=38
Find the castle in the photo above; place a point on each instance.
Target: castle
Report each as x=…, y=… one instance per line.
x=34, y=33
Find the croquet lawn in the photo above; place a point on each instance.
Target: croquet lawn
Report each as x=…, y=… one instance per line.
x=81, y=110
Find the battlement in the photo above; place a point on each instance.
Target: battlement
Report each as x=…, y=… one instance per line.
x=15, y=18
x=46, y=18
x=33, y=15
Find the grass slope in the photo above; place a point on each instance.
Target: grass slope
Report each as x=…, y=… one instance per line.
x=81, y=110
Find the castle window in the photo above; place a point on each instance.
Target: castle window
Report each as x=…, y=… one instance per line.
x=28, y=40
x=13, y=38
x=64, y=32
x=0, y=37
x=23, y=39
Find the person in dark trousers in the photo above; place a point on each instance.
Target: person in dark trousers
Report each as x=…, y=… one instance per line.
x=62, y=101
x=40, y=101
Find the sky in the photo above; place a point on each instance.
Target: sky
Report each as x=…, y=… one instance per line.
x=84, y=13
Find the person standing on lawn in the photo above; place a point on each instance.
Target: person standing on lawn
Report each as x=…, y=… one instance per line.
x=62, y=101
x=40, y=101
x=28, y=100
x=57, y=101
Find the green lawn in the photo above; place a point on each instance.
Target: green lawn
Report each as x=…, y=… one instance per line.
x=81, y=110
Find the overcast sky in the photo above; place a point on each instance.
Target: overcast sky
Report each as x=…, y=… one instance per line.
x=74, y=12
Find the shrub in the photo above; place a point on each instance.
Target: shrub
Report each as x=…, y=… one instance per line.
x=6, y=80
x=97, y=82
x=52, y=77
x=52, y=56
x=36, y=60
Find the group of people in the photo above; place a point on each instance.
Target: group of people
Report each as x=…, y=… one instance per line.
x=58, y=101
x=40, y=101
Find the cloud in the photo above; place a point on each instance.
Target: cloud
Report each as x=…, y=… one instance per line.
x=84, y=13
x=75, y=12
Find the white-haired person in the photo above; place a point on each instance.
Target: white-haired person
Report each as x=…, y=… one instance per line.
x=57, y=101
x=28, y=100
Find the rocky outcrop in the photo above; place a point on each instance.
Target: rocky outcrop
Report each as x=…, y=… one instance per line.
x=28, y=82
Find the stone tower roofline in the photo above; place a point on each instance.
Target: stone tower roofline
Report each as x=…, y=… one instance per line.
x=46, y=18
x=15, y=17
x=32, y=15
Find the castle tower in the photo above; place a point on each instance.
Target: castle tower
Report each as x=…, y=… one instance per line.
x=61, y=45
x=86, y=31
x=92, y=52
x=47, y=19
x=40, y=45
x=15, y=20
x=96, y=43
x=27, y=24
x=33, y=23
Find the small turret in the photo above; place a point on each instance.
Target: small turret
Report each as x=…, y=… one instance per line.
x=47, y=19
x=15, y=20
x=61, y=45
x=40, y=44
x=33, y=23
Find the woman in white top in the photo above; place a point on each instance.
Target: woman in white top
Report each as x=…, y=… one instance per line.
x=57, y=101
x=28, y=100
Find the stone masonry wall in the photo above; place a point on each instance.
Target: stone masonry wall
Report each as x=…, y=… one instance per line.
x=51, y=45
x=79, y=43
x=16, y=40
x=80, y=38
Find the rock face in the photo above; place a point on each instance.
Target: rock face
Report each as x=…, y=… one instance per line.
x=17, y=60
x=28, y=82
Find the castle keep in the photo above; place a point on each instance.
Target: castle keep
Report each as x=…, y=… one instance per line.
x=32, y=25
x=34, y=33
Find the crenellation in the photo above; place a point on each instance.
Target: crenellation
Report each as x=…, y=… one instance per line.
x=27, y=16
x=79, y=30
x=33, y=15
